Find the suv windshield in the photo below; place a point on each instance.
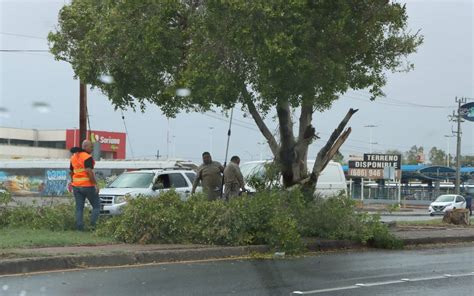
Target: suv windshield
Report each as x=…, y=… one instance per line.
x=133, y=180
x=445, y=198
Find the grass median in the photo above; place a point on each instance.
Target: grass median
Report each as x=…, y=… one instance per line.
x=12, y=238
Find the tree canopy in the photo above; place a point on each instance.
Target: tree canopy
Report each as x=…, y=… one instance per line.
x=281, y=54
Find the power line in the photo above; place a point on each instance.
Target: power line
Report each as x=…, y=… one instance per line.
x=402, y=103
x=22, y=35
x=24, y=50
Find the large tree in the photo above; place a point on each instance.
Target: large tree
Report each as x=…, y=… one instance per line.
x=415, y=155
x=437, y=156
x=296, y=56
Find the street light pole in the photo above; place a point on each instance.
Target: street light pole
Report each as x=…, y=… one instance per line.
x=370, y=139
x=448, y=158
x=210, y=139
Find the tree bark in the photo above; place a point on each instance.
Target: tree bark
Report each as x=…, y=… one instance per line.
x=287, y=155
x=306, y=135
x=274, y=147
x=337, y=138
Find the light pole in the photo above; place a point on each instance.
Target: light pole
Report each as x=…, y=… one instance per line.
x=210, y=139
x=448, y=158
x=371, y=126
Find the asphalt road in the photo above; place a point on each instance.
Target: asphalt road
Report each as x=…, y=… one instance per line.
x=442, y=271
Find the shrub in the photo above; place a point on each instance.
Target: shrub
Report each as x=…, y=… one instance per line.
x=55, y=217
x=148, y=220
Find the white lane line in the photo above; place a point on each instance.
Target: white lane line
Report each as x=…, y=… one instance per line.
x=381, y=283
x=323, y=290
x=367, y=285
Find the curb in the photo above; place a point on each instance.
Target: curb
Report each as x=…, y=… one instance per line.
x=27, y=265
x=437, y=240
x=55, y=263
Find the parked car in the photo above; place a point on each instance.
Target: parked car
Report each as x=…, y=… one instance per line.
x=331, y=181
x=446, y=202
x=144, y=182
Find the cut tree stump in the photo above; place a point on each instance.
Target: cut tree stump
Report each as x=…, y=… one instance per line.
x=457, y=217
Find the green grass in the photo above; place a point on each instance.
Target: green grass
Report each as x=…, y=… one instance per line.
x=26, y=238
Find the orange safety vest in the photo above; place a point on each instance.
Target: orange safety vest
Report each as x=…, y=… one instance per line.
x=80, y=178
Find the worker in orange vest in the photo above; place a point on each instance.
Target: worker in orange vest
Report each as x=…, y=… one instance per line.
x=84, y=183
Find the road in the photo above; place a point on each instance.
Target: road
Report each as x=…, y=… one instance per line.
x=441, y=271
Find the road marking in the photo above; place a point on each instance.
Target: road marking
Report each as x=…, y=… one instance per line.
x=324, y=290
x=368, y=285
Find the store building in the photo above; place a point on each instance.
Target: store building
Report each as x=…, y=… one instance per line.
x=33, y=143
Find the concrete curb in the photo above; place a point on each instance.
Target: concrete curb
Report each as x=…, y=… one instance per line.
x=27, y=265
x=437, y=240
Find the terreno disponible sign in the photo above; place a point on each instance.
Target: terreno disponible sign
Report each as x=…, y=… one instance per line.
x=372, y=167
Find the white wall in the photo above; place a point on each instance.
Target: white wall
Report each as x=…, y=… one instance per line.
x=10, y=151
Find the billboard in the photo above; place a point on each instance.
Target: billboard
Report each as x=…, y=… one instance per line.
x=372, y=166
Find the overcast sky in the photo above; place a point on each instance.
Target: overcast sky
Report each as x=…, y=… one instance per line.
x=414, y=112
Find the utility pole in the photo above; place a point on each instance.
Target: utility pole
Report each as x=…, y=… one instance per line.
x=457, y=118
x=82, y=112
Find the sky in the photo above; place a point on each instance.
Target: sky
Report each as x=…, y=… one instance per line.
x=415, y=110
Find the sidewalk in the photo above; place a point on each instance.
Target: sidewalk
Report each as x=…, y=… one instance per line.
x=17, y=261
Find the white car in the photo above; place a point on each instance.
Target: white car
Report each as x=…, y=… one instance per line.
x=331, y=181
x=144, y=182
x=447, y=202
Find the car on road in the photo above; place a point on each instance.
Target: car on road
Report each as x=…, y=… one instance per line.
x=446, y=202
x=149, y=183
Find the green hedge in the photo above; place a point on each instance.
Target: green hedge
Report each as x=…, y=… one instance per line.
x=275, y=218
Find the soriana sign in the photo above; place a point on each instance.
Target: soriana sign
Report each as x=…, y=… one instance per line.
x=112, y=143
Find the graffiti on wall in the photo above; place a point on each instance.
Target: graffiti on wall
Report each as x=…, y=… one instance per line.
x=55, y=182
x=51, y=183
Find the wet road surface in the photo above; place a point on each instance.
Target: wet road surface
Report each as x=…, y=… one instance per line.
x=442, y=271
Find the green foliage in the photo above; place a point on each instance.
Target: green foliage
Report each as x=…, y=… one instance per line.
x=56, y=217
x=437, y=156
x=276, y=218
x=266, y=178
x=393, y=208
x=412, y=155
x=284, y=50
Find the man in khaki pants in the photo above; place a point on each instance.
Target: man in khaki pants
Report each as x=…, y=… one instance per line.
x=233, y=179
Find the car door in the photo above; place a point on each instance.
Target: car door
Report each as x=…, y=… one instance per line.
x=179, y=183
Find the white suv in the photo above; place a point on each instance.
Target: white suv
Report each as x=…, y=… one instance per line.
x=144, y=182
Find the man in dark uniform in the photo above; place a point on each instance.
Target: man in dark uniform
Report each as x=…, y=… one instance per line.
x=210, y=174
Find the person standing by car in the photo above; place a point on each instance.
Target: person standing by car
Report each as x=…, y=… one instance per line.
x=210, y=174
x=233, y=179
x=84, y=184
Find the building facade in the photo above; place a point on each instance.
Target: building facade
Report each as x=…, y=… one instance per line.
x=33, y=143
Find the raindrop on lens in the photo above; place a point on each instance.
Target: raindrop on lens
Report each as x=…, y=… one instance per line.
x=41, y=107
x=22, y=293
x=107, y=79
x=5, y=287
x=183, y=92
x=4, y=112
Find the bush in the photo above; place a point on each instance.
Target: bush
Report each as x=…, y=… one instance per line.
x=262, y=219
x=56, y=217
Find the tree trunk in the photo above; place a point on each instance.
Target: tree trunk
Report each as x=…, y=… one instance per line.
x=287, y=155
x=338, y=137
